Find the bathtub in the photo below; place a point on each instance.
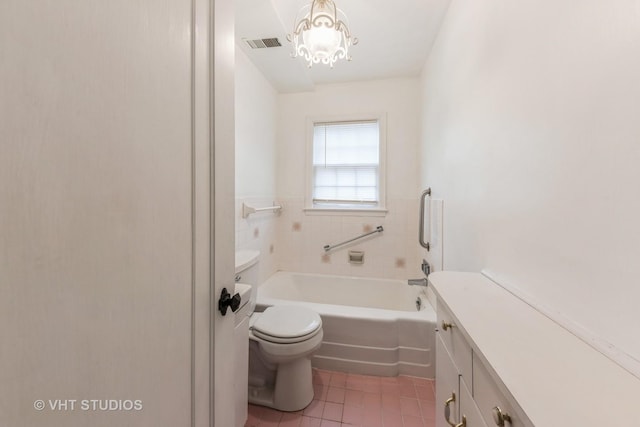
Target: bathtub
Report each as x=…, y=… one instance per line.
x=371, y=326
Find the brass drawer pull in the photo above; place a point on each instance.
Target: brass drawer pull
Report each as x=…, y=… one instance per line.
x=463, y=423
x=446, y=325
x=447, y=409
x=499, y=417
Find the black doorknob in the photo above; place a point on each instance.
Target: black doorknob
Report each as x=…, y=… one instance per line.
x=226, y=300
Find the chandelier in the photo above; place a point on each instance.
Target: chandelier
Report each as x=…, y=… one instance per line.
x=322, y=35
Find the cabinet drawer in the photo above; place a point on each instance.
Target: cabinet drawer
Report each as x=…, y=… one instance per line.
x=447, y=386
x=488, y=396
x=468, y=409
x=455, y=343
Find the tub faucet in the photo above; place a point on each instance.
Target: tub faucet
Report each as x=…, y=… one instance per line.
x=426, y=269
x=417, y=282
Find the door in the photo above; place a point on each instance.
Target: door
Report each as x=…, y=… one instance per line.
x=109, y=232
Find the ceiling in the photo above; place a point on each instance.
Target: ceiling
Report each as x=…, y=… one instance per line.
x=395, y=37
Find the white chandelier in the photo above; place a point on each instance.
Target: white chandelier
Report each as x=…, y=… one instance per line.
x=321, y=36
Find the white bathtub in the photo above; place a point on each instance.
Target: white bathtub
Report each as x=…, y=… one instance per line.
x=371, y=326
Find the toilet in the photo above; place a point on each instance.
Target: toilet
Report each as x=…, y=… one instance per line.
x=282, y=340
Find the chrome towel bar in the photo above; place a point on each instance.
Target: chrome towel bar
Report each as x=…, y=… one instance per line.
x=378, y=229
x=423, y=196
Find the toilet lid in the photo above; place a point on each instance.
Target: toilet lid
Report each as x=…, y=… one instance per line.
x=287, y=322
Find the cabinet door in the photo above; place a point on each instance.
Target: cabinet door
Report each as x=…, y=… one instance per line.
x=447, y=386
x=469, y=411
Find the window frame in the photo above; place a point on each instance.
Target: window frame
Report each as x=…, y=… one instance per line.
x=380, y=209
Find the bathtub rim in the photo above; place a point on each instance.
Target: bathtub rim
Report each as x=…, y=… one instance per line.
x=427, y=312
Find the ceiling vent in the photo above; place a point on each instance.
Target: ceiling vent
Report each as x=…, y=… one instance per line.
x=263, y=43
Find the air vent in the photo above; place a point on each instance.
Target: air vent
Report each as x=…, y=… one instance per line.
x=263, y=43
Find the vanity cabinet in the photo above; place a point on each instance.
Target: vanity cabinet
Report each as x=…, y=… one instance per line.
x=500, y=362
x=465, y=391
x=454, y=376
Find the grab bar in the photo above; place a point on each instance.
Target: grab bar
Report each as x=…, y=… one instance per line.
x=423, y=196
x=378, y=229
x=248, y=210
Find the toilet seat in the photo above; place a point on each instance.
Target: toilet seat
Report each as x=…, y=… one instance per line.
x=280, y=340
x=286, y=324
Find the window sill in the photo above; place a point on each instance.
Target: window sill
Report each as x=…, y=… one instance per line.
x=346, y=212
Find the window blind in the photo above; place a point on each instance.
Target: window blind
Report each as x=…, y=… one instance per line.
x=346, y=160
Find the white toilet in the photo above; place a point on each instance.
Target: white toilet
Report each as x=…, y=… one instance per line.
x=281, y=342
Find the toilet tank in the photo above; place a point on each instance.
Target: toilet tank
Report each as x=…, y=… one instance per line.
x=247, y=271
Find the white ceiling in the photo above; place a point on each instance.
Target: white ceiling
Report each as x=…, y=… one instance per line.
x=395, y=37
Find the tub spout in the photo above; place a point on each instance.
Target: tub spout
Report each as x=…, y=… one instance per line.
x=426, y=269
x=418, y=282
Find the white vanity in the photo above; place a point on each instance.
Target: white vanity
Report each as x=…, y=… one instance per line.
x=501, y=362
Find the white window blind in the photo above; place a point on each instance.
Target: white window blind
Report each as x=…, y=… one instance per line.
x=346, y=163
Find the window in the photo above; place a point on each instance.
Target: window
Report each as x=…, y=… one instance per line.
x=347, y=164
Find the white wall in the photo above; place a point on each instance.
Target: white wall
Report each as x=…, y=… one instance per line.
x=256, y=115
x=531, y=136
x=392, y=254
x=256, y=121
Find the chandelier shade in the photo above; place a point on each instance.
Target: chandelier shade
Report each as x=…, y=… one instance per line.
x=322, y=35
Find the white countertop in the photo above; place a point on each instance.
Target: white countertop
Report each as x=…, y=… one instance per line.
x=556, y=378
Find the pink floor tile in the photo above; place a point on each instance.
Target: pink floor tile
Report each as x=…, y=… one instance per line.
x=292, y=419
x=428, y=409
x=403, y=379
x=336, y=395
x=372, y=405
x=424, y=382
x=372, y=388
x=342, y=400
x=371, y=400
x=388, y=380
x=410, y=407
x=391, y=403
x=372, y=419
x=314, y=409
x=264, y=417
x=320, y=392
x=355, y=384
x=352, y=415
x=338, y=379
x=372, y=379
x=408, y=390
x=411, y=421
x=356, y=377
x=391, y=388
x=391, y=419
x=310, y=422
x=353, y=397
x=321, y=377
x=425, y=393
x=332, y=411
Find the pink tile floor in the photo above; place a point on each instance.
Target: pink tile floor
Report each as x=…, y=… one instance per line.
x=357, y=400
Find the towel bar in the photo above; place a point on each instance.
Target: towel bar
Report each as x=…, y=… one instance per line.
x=248, y=210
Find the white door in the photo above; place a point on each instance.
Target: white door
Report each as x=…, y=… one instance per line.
x=108, y=232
